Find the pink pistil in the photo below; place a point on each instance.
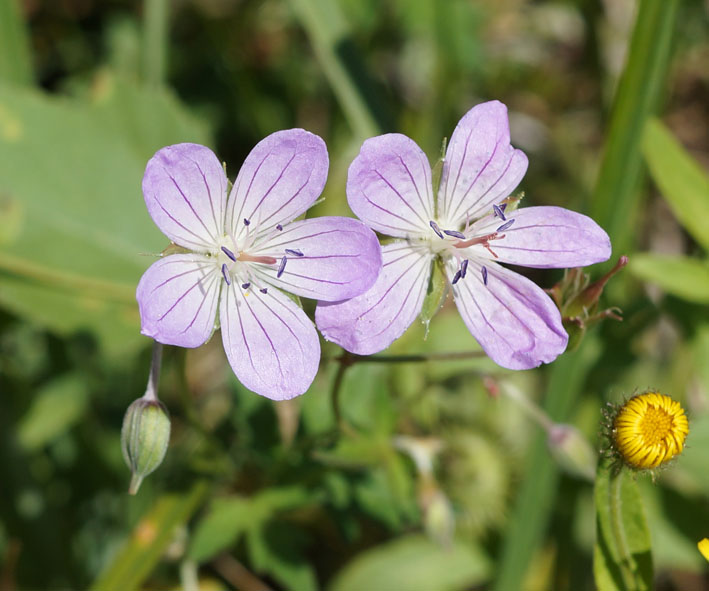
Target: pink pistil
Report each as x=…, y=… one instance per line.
x=483, y=240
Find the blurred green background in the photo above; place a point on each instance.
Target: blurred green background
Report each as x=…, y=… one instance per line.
x=434, y=477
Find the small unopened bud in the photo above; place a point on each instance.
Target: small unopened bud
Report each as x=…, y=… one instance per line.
x=439, y=519
x=144, y=438
x=572, y=451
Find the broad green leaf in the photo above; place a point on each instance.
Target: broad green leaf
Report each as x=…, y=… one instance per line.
x=220, y=528
x=15, y=57
x=71, y=171
x=680, y=276
x=230, y=517
x=681, y=180
x=622, y=556
x=150, y=538
x=54, y=410
x=414, y=563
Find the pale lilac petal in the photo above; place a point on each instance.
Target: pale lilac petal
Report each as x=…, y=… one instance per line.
x=177, y=297
x=271, y=344
x=389, y=186
x=185, y=191
x=481, y=167
x=515, y=322
x=548, y=237
x=328, y=258
x=279, y=180
x=372, y=321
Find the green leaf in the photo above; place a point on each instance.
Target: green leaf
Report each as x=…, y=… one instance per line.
x=70, y=173
x=414, y=563
x=54, y=410
x=278, y=549
x=616, y=198
x=15, y=56
x=230, y=517
x=681, y=180
x=680, y=276
x=622, y=556
x=220, y=528
x=152, y=535
x=329, y=34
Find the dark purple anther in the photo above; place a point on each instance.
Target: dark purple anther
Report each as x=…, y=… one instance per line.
x=484, y=271
x=282, y=266
x=436, y=229
x=463, y=268
x=228, y=253
x=264, y=290
x=279, y=227
x=455, y=234
x=456, y=277
x=506, y=225
x=246, y=222
x=499, y=212
x=225, y=274
x=294, y=252
x=245, y=285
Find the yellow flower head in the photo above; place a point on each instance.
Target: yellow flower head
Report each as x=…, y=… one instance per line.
x=649, y=430
x=703, y=546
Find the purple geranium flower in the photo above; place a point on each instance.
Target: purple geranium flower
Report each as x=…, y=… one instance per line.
x=239, y=253
x=389, y=187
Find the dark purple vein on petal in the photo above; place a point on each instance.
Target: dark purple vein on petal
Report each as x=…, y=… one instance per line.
x=423, y=202
x=400, y=196
x=189, y=204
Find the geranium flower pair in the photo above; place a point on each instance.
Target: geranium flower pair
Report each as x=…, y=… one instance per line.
x=242, y=250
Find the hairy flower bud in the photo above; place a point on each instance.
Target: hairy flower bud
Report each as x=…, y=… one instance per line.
x=144, y=438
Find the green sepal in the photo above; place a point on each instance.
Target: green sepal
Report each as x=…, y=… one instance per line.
x=437, y=172
x=436, y=292
x=173, y=248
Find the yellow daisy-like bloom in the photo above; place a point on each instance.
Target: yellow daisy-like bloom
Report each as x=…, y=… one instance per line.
x=703, y=546
x=649, y=430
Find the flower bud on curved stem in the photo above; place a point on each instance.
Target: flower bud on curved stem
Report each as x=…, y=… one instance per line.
x=146, y=429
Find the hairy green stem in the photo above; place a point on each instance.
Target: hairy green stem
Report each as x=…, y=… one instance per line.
x=615, y=484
